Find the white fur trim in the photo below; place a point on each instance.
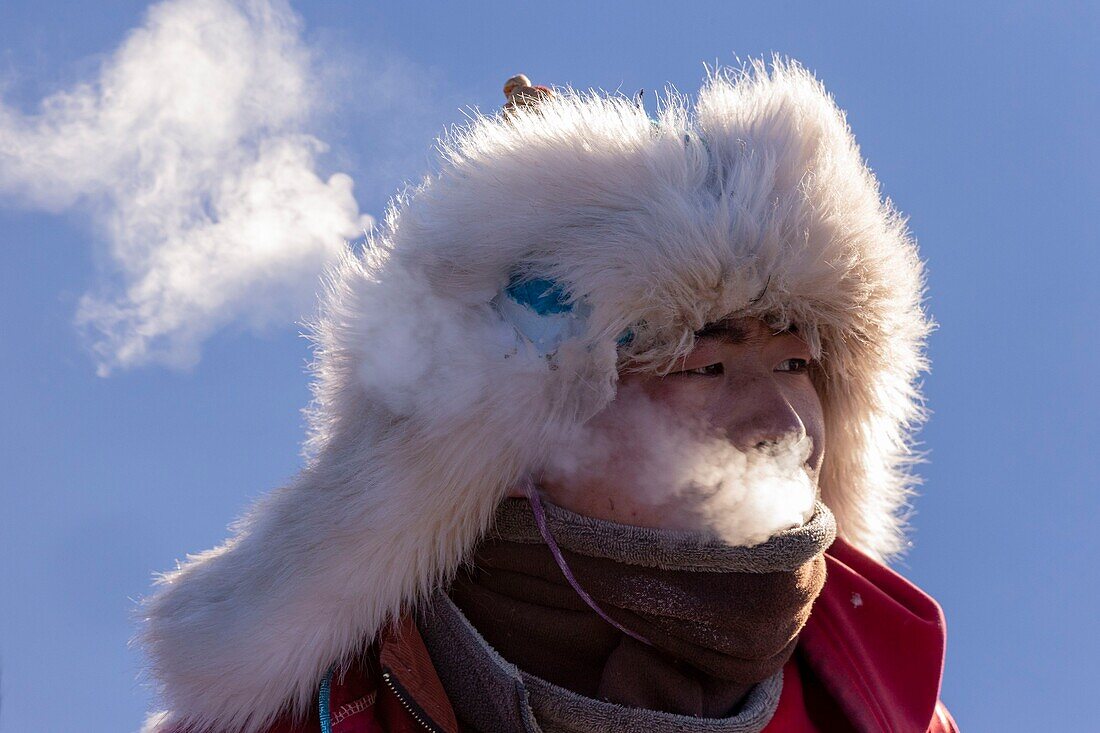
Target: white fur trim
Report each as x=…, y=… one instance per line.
x=661, y=227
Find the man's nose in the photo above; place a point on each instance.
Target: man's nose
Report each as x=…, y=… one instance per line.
x=762, y=416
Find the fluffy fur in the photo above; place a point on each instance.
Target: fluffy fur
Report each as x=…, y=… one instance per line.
x=425, y=411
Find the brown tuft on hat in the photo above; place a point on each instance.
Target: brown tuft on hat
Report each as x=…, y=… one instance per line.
x=522, y=94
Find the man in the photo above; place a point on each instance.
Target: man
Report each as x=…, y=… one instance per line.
x=610, y=433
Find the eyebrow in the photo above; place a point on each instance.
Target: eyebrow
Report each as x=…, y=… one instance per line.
x=723, y=331
x=733, y=332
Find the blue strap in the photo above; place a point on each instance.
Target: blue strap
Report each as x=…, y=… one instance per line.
x=324, y=701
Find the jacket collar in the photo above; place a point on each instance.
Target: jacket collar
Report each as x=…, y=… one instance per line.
x=407, y=669
x=876, y=642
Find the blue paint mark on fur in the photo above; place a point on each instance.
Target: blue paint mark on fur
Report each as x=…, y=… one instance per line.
x=540, y=311
x=540, y=295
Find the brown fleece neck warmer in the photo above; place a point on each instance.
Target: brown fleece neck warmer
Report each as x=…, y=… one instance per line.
x=720, y=619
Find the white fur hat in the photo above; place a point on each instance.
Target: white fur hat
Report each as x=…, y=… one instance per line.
x=753, y=201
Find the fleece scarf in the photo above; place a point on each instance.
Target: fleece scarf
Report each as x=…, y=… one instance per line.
x=720, y=619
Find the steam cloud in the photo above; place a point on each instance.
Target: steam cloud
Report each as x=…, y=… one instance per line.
x=190, y=149
x=688, y=472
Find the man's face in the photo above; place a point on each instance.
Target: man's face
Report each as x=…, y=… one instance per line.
x=743, y=382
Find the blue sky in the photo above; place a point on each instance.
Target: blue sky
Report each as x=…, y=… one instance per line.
x=979, y=120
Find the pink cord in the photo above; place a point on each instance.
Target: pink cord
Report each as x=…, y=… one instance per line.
x=544, y=530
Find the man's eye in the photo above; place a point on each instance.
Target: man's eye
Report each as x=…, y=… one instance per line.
x=796, y=366
x=710, y=370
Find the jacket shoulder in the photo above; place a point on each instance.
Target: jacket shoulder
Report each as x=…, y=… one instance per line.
x=942, y=722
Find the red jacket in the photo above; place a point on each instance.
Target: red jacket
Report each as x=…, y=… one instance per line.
x=870, y=660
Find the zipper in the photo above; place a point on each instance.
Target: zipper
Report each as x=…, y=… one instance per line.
x=410, y=706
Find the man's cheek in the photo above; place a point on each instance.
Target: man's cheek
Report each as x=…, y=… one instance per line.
x=811, y=414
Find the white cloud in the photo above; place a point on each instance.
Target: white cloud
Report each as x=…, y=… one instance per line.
x=192, y=150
